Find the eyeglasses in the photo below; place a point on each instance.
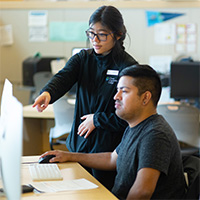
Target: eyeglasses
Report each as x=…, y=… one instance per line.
x=100, y=36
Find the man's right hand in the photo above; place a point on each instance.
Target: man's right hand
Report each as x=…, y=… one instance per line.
x=42, y=101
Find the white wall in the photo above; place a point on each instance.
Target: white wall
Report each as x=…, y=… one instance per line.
x=141, y=44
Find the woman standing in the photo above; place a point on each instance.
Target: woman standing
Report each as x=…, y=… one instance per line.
x=96, y=128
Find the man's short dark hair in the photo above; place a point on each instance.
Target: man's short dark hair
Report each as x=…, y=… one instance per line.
x=145, y=79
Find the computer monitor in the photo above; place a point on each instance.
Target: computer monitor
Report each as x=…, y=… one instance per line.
x=11, y=131
x=185, y=80
x=76, y=50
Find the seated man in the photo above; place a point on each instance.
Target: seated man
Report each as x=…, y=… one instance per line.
x=148, y=160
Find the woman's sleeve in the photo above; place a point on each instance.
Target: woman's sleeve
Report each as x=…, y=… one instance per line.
x=64, y=79
x=109, y=121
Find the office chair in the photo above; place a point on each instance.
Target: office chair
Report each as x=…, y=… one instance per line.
x=191, y=166
x=40, y=79
x=184, y=120
x=64, y=114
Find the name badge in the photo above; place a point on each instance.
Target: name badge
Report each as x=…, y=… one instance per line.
x=113, y=72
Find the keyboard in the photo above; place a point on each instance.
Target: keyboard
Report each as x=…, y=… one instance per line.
x=45, y=172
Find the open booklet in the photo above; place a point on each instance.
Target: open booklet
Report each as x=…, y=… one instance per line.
x=61, y=186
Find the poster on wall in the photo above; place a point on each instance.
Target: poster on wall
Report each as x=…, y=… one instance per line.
x=156, y=17
x=165, y=33
x=6, y=35
x=37, y=22
x=186, y=38
x=68, y=31
x=182, y=36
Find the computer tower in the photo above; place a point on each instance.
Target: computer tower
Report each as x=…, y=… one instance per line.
x=35, y=64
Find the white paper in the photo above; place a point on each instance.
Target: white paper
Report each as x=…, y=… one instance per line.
x=38, y=34
x=186, y=38
x=165, y=33
x=6, y=35
x=181, y=28
x=191, y=38
x=160, y=63
x=191, y=28
x=57, y=65
x=60, y=186
x=37, y=22
x=37, y=18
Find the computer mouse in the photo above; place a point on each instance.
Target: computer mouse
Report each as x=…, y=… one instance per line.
x=45, y=159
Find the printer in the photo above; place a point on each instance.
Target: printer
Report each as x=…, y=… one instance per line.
x=31, y=65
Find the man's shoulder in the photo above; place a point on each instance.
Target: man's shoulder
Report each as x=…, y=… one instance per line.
x=157, y=121
x=154, y=125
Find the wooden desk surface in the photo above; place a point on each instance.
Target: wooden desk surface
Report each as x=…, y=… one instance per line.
x=30, y=112
x=48, y=113
x=70, y=171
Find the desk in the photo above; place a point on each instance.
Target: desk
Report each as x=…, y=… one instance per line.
x=36, y=129
x=30, y=112
x=70, y=171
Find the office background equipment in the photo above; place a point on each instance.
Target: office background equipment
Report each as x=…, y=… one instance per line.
x=184, y=120
x=40, y=79
x=32, y=65
x=57, y=65
x=76, y=50
x=64, y=115
x=45, y=159
x=11, y=134
x=191, y=165
x=36, y=130
x=185, y=80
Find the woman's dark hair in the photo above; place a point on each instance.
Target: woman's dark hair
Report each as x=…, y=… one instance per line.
x=145, y=79
x=111, y=18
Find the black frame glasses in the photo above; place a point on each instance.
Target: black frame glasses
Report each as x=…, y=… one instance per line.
x=100, y=36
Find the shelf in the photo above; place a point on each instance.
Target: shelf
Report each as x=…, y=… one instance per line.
x=74, y=4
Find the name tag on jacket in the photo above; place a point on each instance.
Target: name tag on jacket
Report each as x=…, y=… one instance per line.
x=112, y=72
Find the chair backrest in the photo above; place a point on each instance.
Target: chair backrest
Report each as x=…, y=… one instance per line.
x=191, y=165
x=184, y=120
x=64, y=114
x=40, y=79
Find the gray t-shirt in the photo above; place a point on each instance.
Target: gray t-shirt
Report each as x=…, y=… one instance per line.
x=150, y=144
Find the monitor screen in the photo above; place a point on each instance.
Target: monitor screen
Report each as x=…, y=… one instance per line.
x=11, y=134
x=76, y=50
x=185, y=80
